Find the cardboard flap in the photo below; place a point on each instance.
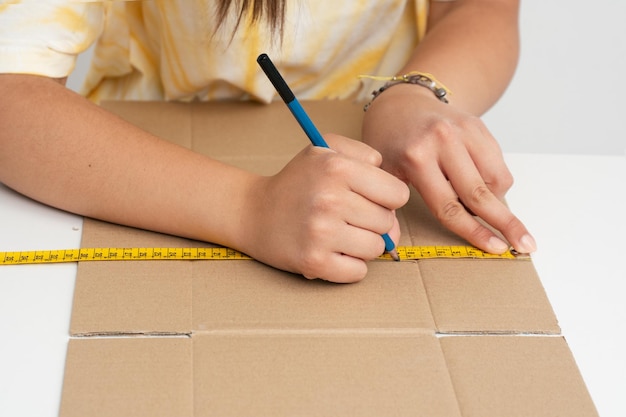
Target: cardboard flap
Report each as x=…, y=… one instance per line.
x=247, y=295
x=516, y=376
x=487, y=296
x=160, y=297
x=287, y=375
x=132, y=297
x=128, y=377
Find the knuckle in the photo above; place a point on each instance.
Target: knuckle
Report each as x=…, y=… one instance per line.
x=322, y=203
x=335, y=165
x=449, y=132
x=403, y=194
x=470, y=123
x=441, y=134
x=481, y=194
x=377, y=248
x=501, y=183
x=374, y=157
x=388, y=223
x=406, y=187
x=316, y=230
x=415, y=156
x=450, y=212
x=509, y=180
x=442, y=129
x=506, y=181
x=311, y=263
x=420, y=154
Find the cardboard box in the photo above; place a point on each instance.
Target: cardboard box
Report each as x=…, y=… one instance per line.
x=439, y=337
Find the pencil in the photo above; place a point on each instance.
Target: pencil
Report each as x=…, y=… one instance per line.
x=305, y=122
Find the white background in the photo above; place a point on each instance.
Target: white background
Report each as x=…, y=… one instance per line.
x=566, y=98
x=567, y=95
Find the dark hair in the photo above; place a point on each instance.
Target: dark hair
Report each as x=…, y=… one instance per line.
x=270, y=11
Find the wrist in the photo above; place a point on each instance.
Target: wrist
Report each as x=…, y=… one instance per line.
x=248, y=225
x=229, y=221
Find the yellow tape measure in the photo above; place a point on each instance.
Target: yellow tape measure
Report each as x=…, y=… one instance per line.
x=196, y=254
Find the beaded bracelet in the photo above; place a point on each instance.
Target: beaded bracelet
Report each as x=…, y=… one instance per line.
x=419, y=78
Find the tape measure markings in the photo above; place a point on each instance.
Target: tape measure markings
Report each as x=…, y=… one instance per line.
x=219, y=253
x=427, y=252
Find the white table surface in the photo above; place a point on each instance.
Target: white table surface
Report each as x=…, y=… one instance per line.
x=573, y=205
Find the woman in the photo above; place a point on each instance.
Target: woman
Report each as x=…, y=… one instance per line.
x=321, y=216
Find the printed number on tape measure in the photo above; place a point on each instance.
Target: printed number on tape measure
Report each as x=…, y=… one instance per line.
x=192, y=254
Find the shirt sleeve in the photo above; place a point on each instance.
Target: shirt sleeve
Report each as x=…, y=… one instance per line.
x=44, y=37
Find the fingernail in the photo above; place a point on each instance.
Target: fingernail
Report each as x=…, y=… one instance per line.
x=527, y=244
x=497, y=245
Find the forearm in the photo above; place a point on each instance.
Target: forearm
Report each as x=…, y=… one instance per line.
x=472, y=46
x=60, y=149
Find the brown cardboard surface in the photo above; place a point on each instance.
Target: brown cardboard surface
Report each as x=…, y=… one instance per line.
x=128, y=377
x=322, y=376
x=515, y=376
x=180, y=297
x=239, y=338
x=483, y=296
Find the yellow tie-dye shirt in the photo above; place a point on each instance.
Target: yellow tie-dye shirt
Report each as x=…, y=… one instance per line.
x=172, y=49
